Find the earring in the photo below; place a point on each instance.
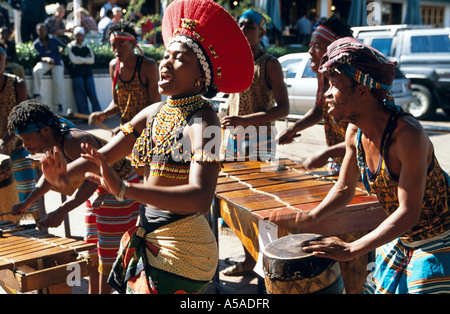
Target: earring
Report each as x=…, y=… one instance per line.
x=197, y=83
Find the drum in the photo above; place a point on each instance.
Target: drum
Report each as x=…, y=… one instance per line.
x=288, y=269
x=9, y=194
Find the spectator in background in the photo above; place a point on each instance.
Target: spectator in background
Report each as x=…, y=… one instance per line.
x=33, y=13
x=56, y=24
x=304, y=30
x=107, y=6
x=47, y=48
x=86, y=21
x=104, y=23
x=82, y=56
x=11, y=66
x=117, y=14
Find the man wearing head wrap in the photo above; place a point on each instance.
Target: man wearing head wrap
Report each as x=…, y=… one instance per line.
x=396, y=160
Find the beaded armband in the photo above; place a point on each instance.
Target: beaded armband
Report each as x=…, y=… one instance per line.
x=204, y=156
x=128, y=129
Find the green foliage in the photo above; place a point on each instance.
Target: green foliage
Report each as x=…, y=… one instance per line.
x=26, y=55
x=281, y=51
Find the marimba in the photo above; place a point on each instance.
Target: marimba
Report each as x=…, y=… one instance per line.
x=33, y=260
x=249, y=191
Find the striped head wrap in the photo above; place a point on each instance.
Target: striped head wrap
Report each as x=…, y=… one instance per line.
x=363, y=64
x=117, y=35
x=325, y=33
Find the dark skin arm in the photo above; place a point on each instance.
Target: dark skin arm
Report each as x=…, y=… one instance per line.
x=149, y=76
x=409, y=157
x=180, y=199
x=274, y=74
x=72, y=148
x=312, y=117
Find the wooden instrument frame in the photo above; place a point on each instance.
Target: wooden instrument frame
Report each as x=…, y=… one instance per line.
x=250, y=191
x=33, y=260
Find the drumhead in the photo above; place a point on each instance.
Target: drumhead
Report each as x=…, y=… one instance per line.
x=285, y=259
x=289, y=247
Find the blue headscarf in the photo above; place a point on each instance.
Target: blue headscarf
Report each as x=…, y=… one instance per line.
x=256, y=17
x=61, y=122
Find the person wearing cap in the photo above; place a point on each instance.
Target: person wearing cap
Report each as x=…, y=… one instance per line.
x=323, y=35
x=392, y=154
x=12, y=93
x=81, y=56
x=107, y=218
x=135, y=77
x=177, y=142
x=257, y=107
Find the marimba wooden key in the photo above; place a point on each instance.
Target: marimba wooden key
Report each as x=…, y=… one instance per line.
x=250, y=191
x=33, y=260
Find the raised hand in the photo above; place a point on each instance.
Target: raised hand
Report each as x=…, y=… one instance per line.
x=108, y=178
x=54, y=167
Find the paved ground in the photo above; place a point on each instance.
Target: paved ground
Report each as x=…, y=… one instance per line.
x=311, y=141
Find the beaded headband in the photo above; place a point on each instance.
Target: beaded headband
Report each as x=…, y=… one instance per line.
x=325, y=33
x=199, y=53
x=223, y=50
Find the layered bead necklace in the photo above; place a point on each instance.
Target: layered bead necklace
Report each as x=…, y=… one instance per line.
x=171, y=118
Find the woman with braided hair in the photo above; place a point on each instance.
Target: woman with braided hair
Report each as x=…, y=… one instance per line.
x=134, y=77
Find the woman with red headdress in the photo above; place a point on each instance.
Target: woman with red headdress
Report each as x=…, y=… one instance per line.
x=173, y=249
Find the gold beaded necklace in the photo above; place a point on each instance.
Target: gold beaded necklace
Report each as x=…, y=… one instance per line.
x=171, y=118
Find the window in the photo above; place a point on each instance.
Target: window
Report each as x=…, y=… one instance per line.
x=436, y=43
x=308, y=71
x=383, y=45
x=291, y=67
x=432, y=15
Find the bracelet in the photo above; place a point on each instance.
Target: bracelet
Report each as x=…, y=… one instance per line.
x=121, y=196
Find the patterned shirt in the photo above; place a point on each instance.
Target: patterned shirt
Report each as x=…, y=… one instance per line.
x=131, y=95
x=435, y=214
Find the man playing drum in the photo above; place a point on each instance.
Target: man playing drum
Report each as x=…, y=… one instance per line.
x=392, y=153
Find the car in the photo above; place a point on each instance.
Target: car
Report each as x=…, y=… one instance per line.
x=301, y=83
x=423, y=55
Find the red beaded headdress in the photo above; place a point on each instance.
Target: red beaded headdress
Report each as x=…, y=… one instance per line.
x=217, y=37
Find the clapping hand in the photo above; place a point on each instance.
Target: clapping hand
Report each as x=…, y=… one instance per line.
x=54, y=167
x=108, y=179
